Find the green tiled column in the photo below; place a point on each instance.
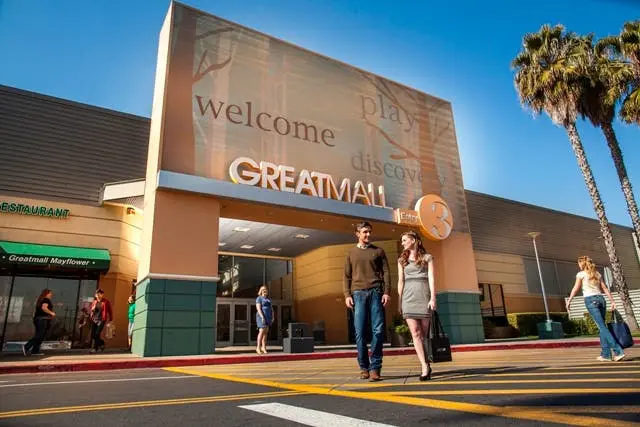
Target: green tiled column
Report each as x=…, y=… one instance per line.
x=174, y=318
x=460, y=316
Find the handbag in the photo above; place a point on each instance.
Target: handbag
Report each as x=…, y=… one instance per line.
x=109, y=330
x=438, y=345
x=620, y=330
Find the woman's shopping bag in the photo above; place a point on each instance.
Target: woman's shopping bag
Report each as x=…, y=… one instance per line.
x=109, y=330
x=438, y=345
x=620, y=330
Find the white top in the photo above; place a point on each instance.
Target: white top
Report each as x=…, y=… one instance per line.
x=590, y=287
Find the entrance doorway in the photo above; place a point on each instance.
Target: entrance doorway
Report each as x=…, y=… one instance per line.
x=241, y=276
x=236, y=321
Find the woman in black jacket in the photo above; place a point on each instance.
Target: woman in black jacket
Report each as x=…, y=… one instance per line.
x=42, y=321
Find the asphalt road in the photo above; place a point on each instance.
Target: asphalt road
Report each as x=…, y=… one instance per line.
x=537, y=388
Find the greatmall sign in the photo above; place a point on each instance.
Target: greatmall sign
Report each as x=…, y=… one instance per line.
x=288, y=119
x=431, y=214
x=244, y=170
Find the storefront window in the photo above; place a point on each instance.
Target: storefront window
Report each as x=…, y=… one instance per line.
x=65, y=297
x=250, y=276
x=26, y=291
x=70, y=296
x=278, y=278
x=86, y=295
x=5, y=289
x=228, y=274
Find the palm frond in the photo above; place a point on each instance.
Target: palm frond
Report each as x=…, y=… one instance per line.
x=630, y=111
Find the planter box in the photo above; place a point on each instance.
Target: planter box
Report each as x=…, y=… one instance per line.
x=398, y=340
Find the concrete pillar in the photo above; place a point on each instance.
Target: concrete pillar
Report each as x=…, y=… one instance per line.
x=176, y=292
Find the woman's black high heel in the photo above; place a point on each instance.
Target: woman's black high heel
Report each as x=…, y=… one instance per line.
x=428, y=376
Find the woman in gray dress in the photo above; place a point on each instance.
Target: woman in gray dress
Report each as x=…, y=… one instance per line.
x=416, y=287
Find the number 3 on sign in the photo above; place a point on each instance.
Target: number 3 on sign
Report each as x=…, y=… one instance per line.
x=435, y=217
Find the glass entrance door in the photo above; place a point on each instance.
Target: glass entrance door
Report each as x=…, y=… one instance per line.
x=223, y=324
x=236, y=322
x=241, y=324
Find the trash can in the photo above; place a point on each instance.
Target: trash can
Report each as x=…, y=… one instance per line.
x=318, y=332
x=299, y=339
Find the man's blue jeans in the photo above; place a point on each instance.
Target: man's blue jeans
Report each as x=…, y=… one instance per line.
x=368, y=310
x=597, y=308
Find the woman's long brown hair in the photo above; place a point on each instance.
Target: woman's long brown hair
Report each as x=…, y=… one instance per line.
x=42, y=296
x=44, y=293
x=587, y=264
x=420, y=250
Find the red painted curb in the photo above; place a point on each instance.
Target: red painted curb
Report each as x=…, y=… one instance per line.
x=247, y=358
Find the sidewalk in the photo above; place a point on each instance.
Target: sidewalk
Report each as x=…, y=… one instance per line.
x=82, y=361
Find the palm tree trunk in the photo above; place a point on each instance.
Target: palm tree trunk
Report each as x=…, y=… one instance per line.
x=616, y=154
x=616, y=266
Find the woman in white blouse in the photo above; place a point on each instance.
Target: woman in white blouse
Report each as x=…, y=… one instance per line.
x=593, y=287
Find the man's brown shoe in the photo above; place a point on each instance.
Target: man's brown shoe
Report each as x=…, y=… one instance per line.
x=375, y=376
x=364, y=374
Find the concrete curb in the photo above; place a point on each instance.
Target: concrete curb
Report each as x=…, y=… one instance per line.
x=102, y=365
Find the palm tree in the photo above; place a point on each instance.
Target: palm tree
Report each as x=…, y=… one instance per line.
x=627, y=45
x=549, y=80
x=605, y=80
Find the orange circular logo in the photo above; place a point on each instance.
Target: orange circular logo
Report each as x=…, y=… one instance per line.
x=435, y=217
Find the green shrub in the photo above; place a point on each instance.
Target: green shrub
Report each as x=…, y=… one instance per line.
x=590, y=324
x=577, y=327
x=527, y=323
x=403, y=330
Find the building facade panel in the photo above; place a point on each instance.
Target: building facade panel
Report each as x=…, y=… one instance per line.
x=501, y=226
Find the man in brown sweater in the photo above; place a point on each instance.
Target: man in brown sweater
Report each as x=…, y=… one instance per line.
x=366, y=290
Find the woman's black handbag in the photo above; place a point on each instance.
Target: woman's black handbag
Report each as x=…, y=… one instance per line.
x=438, y=346
x=620, y=330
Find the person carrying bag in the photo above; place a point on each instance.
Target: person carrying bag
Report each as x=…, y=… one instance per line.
x=620, y=330
x=438, y=345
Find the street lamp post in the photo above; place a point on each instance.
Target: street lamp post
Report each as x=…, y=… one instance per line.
x=533, y=236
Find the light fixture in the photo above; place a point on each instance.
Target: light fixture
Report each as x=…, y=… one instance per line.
x=274, y=249
x=222, y=244
x=241, y=229
x=246, y=247
x=301, y=236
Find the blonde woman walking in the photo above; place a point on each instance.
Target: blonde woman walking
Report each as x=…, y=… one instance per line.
x=264, y=318
x=593, y=287
x=416, y=287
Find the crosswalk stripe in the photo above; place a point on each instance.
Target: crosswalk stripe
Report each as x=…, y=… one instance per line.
x=309, y=417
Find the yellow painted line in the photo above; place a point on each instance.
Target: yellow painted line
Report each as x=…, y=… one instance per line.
x=143, y=404
x=552, y=381
x=601, y=365
x=595, y=409
x=446, y=382
x=518, y=391
x=531, y=414
x=538, y=374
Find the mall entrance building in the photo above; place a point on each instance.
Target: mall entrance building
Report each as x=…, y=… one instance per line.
x=258, y=160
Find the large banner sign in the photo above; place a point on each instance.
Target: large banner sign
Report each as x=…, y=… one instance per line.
x=241, y=106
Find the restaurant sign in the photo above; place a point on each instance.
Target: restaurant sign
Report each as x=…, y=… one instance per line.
x=33, y=209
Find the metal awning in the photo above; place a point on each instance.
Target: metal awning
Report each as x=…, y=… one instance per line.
x=128, y=193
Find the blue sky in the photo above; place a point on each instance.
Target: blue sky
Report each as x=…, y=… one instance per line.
x=104, y=53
